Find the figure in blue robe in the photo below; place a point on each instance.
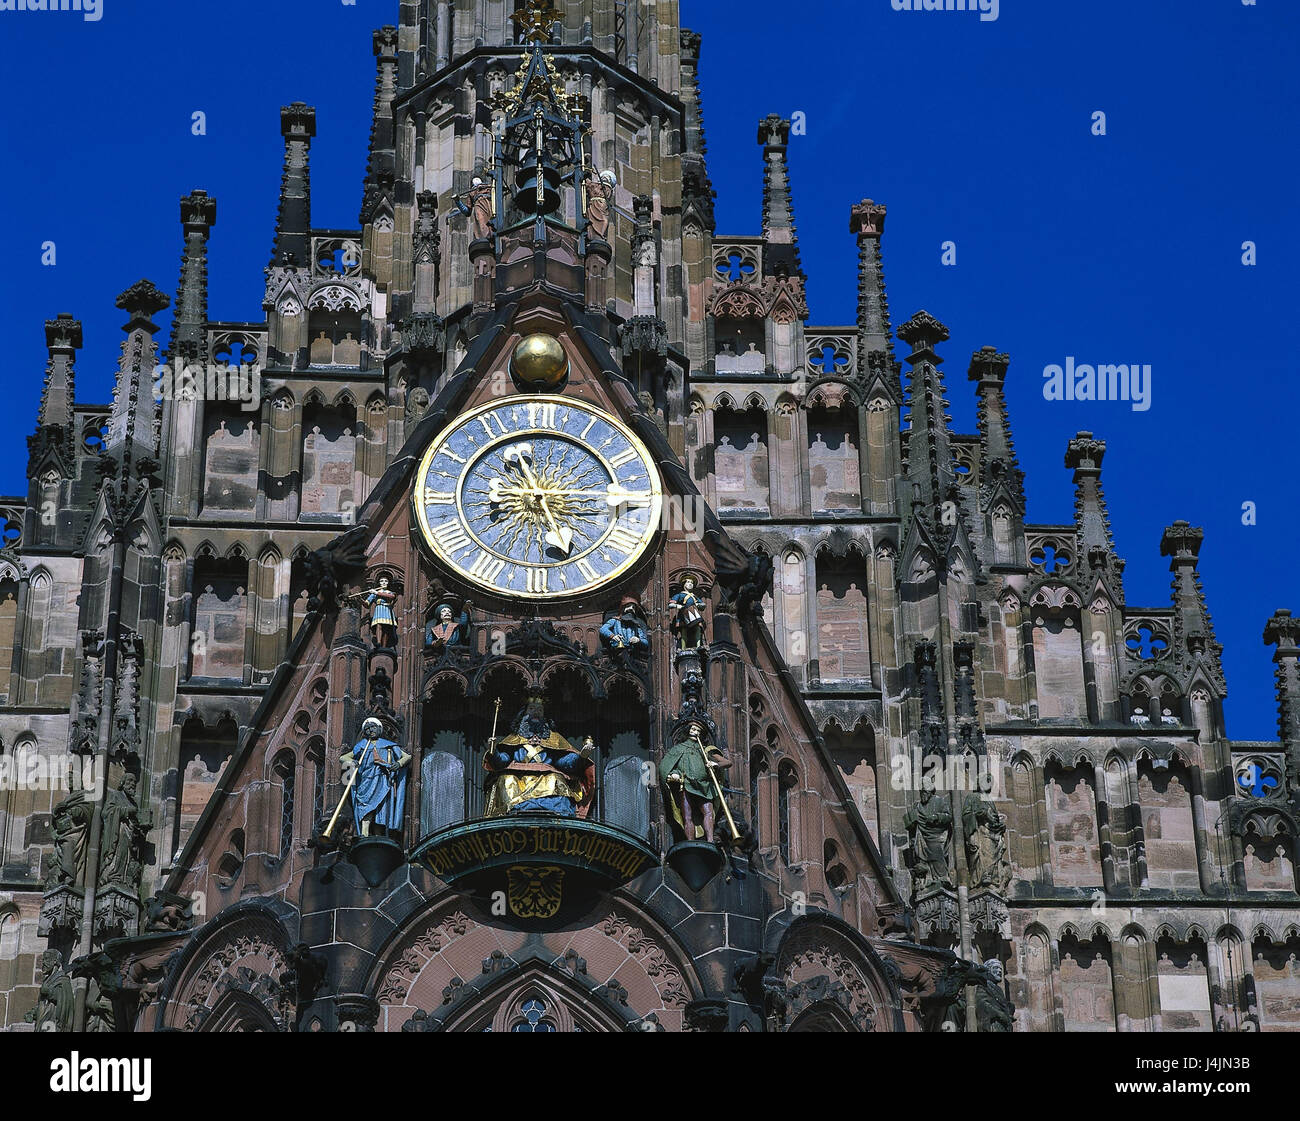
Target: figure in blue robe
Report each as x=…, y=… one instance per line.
x=379, y=792
x=626, y=632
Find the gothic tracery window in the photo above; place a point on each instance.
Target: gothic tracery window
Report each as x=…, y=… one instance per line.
x=285, y=769
x=787, y=779
x=533, y=1017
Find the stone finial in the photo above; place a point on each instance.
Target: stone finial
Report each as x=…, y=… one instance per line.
x=1283, y=631
x=63, y=332
x=867, y=218
x=384, y=41
x=297, y=121
x=922, y=333
x=1182, y=541
x=987, y=365
x=142, y=301
x=198, y=212
x=1084, y=453
x=774, y=131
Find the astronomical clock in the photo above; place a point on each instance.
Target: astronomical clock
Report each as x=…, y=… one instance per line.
x=537, y=497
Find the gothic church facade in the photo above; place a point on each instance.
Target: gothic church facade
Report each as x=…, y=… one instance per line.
x=969, y=786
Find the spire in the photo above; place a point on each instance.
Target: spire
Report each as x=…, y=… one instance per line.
x=1193, y=631
x=1283, y=631
x=782, y=253
x=134, y=411
x=381, y=162
x=189, y=321
x=697, y=190
x=988, y=369
x=1092, y=521
x=929, y=454
x=63, y=339
x=867, y=222
x=293, y=223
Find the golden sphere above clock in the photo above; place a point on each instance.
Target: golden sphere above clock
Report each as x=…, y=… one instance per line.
x=539, y=360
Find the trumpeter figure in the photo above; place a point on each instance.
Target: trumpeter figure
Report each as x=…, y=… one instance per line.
x=383, y=624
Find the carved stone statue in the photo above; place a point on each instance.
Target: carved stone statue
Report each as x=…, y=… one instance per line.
x=535, y=769
x=125, y=826
x=687, y=608
x=71, y=825
x=689, y=790
x=626, y=632
x=53, y=1011
x=994, y=1011
x=476, y=204
x=379, y=791
x=986, y=843
x=447, y=629
x=383, y=624
x=600, y=200
x=929, y=825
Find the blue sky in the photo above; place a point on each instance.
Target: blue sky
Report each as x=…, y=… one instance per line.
x=1121, y=248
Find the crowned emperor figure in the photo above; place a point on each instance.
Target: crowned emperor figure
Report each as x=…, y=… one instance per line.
x=535, y=769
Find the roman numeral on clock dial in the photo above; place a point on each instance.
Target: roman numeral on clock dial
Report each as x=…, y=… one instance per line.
x=541, y=414
x=487, y=567
x=451, y=538
x=538, y=580
x=624, y=540
x=624, y=457
x=486, y=421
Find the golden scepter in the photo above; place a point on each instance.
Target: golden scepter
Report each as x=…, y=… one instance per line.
x=490, y=787
x=722, y=798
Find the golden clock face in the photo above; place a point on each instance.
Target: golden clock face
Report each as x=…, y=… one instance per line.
x=537, y=497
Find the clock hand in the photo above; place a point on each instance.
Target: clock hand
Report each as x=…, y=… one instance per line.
x=561, y=537
x=614, y=494
x=522, y=454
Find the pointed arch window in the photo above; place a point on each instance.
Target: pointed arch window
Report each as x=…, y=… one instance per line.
x=316, y=756
x=533, y=1016
x=757, y=768
x=286, y=771
x=787, y=779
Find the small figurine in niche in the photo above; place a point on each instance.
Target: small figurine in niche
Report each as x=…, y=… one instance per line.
x=446, y=628
x=477, y=205
x=626, y=632
x=693, y=789
x=535, y=769
x=687, y=608
x=383, y=624
x=378, y=784
x=600, y=198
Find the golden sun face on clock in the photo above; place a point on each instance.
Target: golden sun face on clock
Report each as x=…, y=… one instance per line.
x=534, y=497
